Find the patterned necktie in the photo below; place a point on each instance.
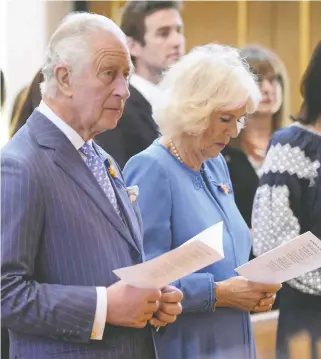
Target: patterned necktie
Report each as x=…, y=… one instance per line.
x=98, y=168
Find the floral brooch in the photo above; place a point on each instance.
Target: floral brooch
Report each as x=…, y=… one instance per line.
x=110, y=168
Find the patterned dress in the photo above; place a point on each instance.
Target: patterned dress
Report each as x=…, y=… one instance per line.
x=288, y=203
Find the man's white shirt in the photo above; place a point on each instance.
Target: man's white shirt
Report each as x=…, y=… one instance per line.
x=150, y=91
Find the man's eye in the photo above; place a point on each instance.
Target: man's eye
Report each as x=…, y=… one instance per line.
x=109, y=73
x=164, y=33
x=225, y=119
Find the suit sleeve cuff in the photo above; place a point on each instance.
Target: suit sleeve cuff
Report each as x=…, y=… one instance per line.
x=100, y=315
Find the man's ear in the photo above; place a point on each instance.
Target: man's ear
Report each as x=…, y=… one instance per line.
x=134, y=46
x=63, y=77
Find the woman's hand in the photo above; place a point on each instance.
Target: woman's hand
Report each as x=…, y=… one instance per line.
x=240, y=293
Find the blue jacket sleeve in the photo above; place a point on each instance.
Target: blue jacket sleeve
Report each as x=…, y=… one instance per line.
x=155, y=201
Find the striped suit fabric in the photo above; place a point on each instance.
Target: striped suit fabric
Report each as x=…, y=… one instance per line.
x=61, y=238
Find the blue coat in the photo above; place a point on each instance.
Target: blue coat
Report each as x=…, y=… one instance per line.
x=176, y=204
x=61, y=238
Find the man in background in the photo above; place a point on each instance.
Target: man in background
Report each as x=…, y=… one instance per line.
x=154, y=31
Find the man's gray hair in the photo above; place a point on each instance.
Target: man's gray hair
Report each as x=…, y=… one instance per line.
x=209, y=78
x=71, y=45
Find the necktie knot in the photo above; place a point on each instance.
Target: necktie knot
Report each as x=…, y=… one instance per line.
x=98, y=168
x=88, y=150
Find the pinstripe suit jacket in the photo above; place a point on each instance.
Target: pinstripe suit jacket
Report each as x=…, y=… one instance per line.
x=60, y=239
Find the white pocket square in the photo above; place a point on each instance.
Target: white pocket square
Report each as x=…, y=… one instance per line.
x=133, y=193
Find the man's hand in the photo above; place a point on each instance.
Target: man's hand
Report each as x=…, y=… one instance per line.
x=128, y=306
x=169, y=307
x=242, y=294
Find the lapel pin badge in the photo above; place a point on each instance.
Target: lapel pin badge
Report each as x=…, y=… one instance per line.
x=223, y=188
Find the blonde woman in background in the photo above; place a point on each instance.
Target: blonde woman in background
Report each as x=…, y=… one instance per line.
x=245, y=154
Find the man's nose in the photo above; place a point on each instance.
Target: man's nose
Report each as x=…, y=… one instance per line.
x=121, y=88
x=177, y=39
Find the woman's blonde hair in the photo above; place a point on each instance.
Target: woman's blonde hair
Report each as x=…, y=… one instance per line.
x=209, y=78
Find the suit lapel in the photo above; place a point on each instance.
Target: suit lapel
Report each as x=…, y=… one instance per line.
x=123, y=201
x=143, y=107
x=128, y=212
x=70, y=161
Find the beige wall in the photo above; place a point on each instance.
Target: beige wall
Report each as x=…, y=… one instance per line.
x=26, y=29
x=290, y=28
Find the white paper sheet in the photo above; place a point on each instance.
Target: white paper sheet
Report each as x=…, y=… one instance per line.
x=200, y=251
x=290, y=260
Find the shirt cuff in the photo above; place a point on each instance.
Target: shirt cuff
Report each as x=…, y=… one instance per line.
x=100, y=315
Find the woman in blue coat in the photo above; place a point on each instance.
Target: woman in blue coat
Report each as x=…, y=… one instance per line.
x=185, y=188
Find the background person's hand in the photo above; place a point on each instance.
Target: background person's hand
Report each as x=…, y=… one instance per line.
x=129, y=306
x=169, y=307
x=242, y=294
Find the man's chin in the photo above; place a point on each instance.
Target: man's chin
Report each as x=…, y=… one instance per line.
x=113, y=124
x=173, y=59
x=110, y=124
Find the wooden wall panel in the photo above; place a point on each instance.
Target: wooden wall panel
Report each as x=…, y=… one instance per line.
x=315, y=24
x=264, y=329
x=260, y=23
x=286, y=44
x=210, y=21
x=100, y=7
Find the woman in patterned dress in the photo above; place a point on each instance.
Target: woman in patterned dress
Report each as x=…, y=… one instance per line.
x=288, y=203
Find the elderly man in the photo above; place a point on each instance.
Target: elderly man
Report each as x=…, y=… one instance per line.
x=67, y=219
